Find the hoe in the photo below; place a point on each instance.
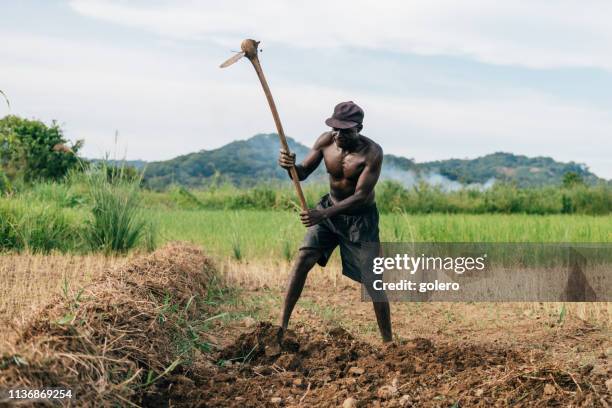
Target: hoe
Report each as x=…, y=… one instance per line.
x=249, y=50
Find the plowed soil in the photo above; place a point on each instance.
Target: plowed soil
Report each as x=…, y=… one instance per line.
x=443, y=355
x=331, y=368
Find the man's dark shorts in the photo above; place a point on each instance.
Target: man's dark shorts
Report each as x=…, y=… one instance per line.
x=356, y=233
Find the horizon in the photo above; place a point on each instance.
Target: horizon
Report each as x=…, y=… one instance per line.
x=439, y=75
x=385, y=152
x=291, y=139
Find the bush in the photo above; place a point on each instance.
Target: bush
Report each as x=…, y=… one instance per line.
x=501, y=198
x=390, y=195
x=590, y=200
x=31, y=150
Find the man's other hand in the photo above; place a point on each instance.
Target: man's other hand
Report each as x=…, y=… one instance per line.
x=286, y=160
x=312, y=217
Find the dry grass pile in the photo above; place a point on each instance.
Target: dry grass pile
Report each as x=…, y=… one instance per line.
x=116, y=337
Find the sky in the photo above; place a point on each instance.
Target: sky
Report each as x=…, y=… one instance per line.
x=436, y=79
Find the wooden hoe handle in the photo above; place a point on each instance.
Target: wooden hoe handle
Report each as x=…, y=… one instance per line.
x=250, y=50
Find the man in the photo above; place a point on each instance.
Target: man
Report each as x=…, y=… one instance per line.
x=347, y=216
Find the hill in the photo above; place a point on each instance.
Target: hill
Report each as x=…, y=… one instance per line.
x=522, y=170
x=252, y=161
x=242, y=162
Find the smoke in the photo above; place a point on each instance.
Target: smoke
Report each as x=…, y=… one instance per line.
x=407, y=178
x=410, y=178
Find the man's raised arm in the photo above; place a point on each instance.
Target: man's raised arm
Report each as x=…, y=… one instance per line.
x=310, y=162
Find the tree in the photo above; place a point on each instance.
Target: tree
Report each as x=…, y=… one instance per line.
x=31, y=150
x=571, y=179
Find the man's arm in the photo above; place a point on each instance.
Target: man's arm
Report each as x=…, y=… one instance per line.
x=310, y=162
x=365, y=185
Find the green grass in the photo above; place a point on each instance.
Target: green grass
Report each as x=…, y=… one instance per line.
x=117, y=223
x=38, y=226
x=392, y=197
x=261, y=223
x=88, y=212
x=265, y=234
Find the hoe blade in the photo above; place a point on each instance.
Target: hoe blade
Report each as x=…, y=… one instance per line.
x=232, y=60
x=5, y=98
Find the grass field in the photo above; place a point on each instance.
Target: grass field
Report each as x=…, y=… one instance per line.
x=252, y=234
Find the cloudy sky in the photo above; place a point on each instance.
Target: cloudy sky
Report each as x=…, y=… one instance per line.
x=437, y=79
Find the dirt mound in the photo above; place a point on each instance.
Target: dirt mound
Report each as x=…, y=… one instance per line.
x=329, y=369
x=108, y=341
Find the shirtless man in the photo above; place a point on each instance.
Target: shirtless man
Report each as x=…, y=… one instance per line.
x=347, y=216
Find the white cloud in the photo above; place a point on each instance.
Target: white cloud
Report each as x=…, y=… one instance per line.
x=536, y=34
x=166, y=104
x=431, y=128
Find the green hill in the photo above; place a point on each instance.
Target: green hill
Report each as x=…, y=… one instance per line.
x=252, y=161
x=522, y=170
x=242, y=162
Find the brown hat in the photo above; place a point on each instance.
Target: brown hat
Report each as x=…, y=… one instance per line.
x=346, y=115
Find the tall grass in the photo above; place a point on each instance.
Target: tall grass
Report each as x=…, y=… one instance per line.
x=5, y=185
x=392, y=197
x=117, y=223
x=228, y=197
x=501, y=199
x=62, y=194
x=37, y=227
x=96, y=210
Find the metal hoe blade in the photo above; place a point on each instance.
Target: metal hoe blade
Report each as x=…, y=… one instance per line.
x=232, y=60
x=5, y=98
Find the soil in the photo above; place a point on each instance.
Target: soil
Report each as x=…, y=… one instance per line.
x=443, y=355
x=332, y=368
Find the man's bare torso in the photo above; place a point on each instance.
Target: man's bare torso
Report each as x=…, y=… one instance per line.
x=345, y=166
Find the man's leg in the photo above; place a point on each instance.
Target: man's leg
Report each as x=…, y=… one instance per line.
x=379, y=298
x=357, y=261
x=383, y=318
x=307, y=258
x=381, y=307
